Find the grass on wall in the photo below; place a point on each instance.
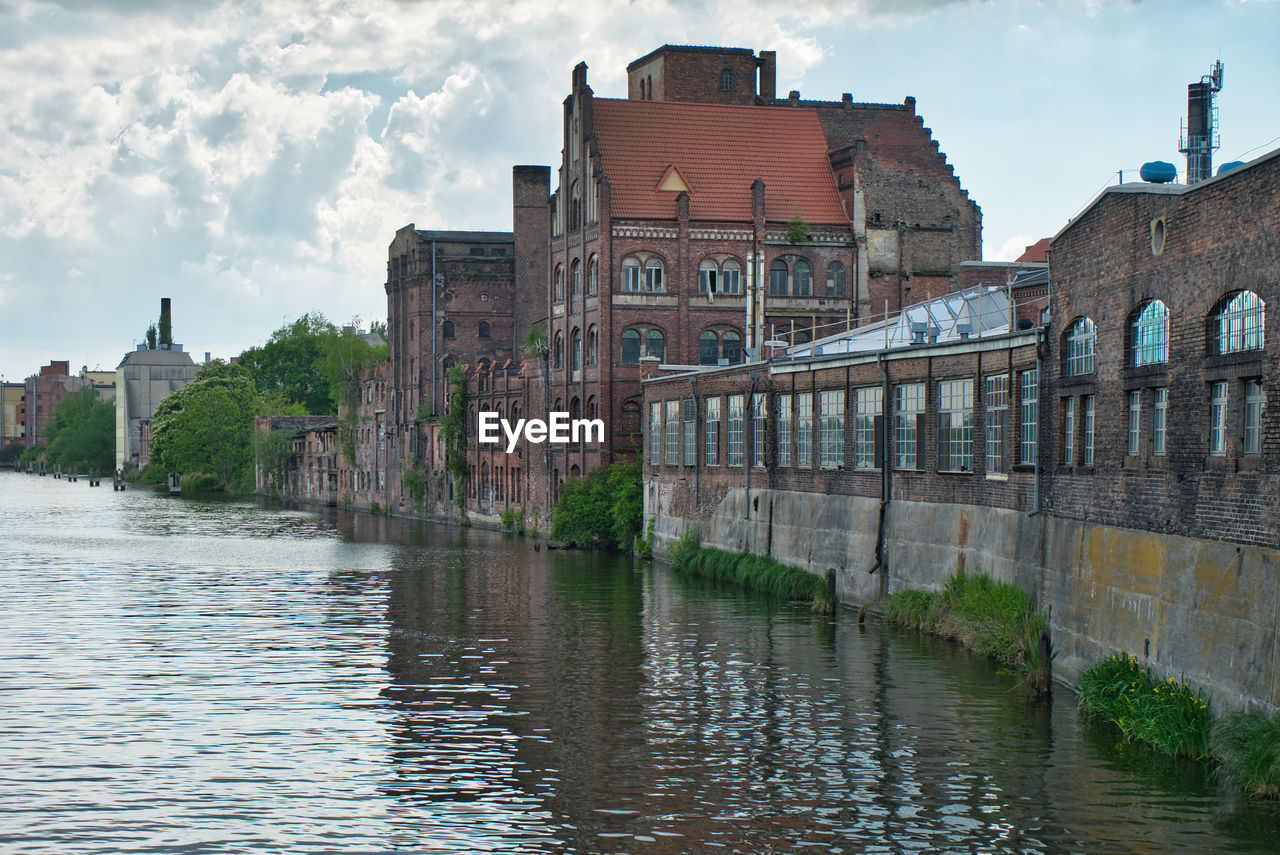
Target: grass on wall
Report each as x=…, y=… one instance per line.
x=1163, y=713
x=1246, y=746
x=753, y=572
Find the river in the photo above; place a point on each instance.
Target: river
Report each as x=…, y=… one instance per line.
x=185, y=675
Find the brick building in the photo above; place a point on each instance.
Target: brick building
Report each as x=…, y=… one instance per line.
x=41, y=396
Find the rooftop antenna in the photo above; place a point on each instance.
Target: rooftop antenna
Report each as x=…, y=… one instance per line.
x=1199, y=138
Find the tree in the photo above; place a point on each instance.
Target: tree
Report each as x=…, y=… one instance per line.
x=206, y=427
x=287, y=370
x=602, y=509
x=81, y=435
x=151, y=337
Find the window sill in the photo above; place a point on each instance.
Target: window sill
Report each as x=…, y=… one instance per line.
x=997, y=476
x=955, y=472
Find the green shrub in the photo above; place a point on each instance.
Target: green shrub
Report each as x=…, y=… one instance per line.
x=1247, y=748
x=513, y=520
x=753, y=572
x=1164, y=714
x=601, y=510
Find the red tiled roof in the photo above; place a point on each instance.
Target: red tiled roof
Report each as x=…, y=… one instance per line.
x=1038, y=251
x=718, y=150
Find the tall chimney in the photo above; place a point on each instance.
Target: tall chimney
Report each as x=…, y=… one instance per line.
x=768, y=85
x=166, y=324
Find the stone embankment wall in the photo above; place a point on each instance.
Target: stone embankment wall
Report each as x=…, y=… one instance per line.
x=1204, y=611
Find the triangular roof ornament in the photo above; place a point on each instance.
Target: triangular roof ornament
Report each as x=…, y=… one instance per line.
x=672, y=180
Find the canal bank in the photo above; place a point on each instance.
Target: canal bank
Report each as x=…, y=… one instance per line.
x=1204, y=610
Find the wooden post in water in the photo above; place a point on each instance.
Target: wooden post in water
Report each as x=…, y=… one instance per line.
x=175, y=483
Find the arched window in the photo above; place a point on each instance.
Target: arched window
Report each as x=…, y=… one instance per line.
x=708, y=348
x=1149, y=334
x=653, y=345
x=558, y=351
x=484, y=329
x=446, y=329
x=411, y=329
x=802, y=337
x=730, y=278
x=593, y=408
x=726, y=80
x=630, y=274
x=835, y=279
x=593, y=276
x=778, y=278
x=801, y=278
x=1078, y=344
x=575, y=408
x=653, y=275
x=1238, y=323
x=708, y=278
x=650, y=87
x=559, y=284
x=630, y=346
x=630, y=417
x=731, y=347
x=575, y=280
x=575, y=205
x=575, y=350
x=593, y=345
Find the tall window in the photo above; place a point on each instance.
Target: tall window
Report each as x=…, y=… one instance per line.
x=575, y=281
x=446, y=329
x=653, y=345
x=1149, y=334
x=1239, y=323
x=997, y=406
x=708, y=348
x=1088, y=430
x=708, y=277
x=559, y=283
x=1029, y=416
x=1218, y=419
x=868, y=405
x=801, y=278
x=1135, y=422
x=731, y=347
x=831, y=428
x=593, y=276
x=575, y=350
x=1080, y=340
x=673, y=434
x=655, y=432
x=1069, y=431
x=653, y=275
x=804, y=430
x=759, y=424
x=955, y=426
x=1254, y=401
x=730, y=277
x=630, y=274
x=713, y=431
x=689, y=409
x=908, y=431
x=557, y=351
x=593, y=345
x=630, y=347
x=485, y=330
x=726, y=80
x=630, y=418
x=784, y=430
x=1159, y=411
x=735, y=430
x=835, y=279
x=778, y=276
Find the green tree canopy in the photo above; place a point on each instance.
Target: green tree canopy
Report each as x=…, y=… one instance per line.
x=206, y=427
x=82, y=433
x=287, y=369
x=602, y=509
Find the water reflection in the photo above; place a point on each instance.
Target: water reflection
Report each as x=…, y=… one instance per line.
x=189, y=675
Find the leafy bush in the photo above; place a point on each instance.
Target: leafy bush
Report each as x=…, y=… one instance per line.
x=1164, y=714
x=601, y=510
x=513, y=520
x=1247, y=748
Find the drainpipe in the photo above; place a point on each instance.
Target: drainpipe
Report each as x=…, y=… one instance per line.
x=1035, y=489
x=746, y=446
x=435, y=368
x=697, y=469
x=886, y=491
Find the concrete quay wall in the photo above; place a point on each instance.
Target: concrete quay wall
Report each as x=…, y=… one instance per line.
x=1205, y=611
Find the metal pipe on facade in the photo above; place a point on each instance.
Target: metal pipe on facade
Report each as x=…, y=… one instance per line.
x=1035, y=478
x=435, y=367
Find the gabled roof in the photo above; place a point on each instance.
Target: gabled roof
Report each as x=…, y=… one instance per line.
x=718, y=150
x=1038, y=251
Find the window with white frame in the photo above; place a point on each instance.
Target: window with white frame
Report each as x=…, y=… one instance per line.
x=1088, y=430
x=759, y=424
x=655, y=433
x=631, y=274
x=689, y=410
x=831, y=428
x=730, y=277
x=1149, y=335
x=1029, y=416
x=908, y=430
x=1254, y=401
x=713, y=432
x=735, y=430
x=867, y=425
x=1080, y=340
x=1160, y=410
x=1069, y=431
x=955, y=425
x=1218, y=419
x=784, y=430
x=653, y=281
x=1135, y=422
x=672, y=446
x=996, y=398
x=804, y=430
x=1239, y=323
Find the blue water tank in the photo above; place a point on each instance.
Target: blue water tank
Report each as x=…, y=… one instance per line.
x=1158, y=172
x=1227, y=167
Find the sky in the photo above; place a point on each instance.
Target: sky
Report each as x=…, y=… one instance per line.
x=252, y=161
